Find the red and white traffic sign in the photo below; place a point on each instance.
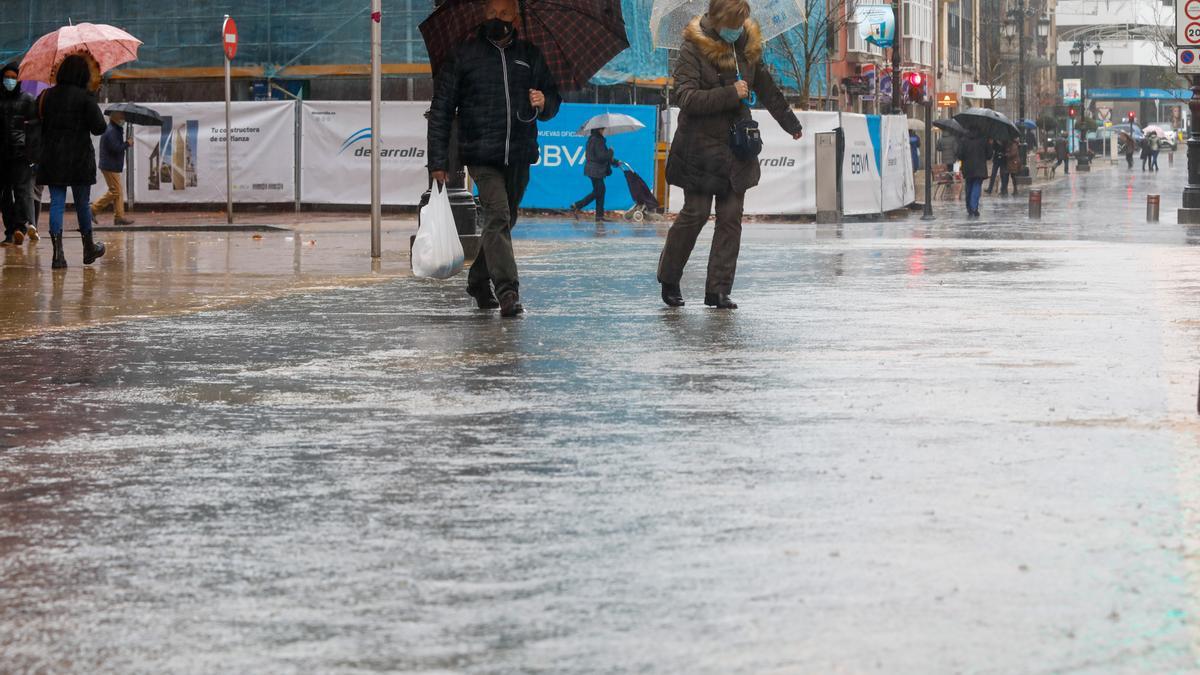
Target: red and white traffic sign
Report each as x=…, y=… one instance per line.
x=229, y=36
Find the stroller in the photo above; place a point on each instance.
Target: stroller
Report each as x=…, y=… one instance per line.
x=643, y=197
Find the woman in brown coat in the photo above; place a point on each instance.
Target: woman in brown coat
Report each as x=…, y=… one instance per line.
x=719, y=73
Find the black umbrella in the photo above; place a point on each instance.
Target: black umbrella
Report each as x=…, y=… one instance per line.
x=988, y=122
x=951, y=125
x=136, y=114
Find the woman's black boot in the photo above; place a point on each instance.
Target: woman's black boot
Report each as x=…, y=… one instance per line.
x=91, y=250
x=60, y=260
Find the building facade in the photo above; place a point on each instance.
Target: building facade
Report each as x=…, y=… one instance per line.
x=1135, y=73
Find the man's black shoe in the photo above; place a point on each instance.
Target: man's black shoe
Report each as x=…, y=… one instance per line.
x=719, y=300
x=672, y=295
x=484, y=297
x=510, y=304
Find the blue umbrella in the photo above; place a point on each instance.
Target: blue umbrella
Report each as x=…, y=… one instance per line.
x=1026, y=124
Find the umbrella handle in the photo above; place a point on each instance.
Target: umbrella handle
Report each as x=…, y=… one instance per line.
x=531, y=120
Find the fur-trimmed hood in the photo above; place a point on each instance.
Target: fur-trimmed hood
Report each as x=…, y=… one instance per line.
x=719, y=51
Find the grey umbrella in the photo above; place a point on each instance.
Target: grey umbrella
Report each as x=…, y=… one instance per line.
x=136, y=114
x=951, y=125
x=988, y=122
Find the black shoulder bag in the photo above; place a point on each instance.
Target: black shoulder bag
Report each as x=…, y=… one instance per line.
x=744, y=137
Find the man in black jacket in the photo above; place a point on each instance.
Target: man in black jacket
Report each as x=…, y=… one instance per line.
x=973, y=152
x=18, y=121
x=498, y=86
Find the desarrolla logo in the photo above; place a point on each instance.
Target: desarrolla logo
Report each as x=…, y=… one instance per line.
x=364, y=134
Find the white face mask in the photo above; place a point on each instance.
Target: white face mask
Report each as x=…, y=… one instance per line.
x=10, y=83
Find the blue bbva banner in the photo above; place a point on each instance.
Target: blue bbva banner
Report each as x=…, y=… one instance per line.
x=557, y=180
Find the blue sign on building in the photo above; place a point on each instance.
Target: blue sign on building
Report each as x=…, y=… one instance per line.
x=557, y=180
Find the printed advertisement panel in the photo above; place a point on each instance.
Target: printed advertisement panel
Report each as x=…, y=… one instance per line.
x=335, y=152
x=861, y=179
x=557, y=180
x=788, y=183
x=184, y=160
x=899, y=189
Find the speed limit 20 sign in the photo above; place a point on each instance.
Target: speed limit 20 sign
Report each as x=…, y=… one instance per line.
x=1187, y=23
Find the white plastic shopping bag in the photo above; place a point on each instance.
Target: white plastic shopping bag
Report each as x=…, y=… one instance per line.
x=437, y=252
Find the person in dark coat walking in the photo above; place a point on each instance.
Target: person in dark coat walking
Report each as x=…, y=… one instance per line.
x=112, y=163
x=597, y=167
x=1127, y=146
x=18, y=147
x=1062, y=155
x=720, y=63
x=996, y=148
x=70, y=117
x=498, y=86
x=973, y=153
x=1147, y=143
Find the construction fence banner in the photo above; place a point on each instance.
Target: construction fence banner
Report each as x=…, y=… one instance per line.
x=862, y=182
x=876, y=176
x=183, y=161
x=556, y=180
x=898, y=187
x=335, y=152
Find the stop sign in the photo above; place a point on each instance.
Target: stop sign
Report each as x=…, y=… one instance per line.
x=229, y=37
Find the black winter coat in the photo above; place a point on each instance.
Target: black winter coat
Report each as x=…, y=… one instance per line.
x=487, y=87
x=70, y=117
x=599, y=158
x=701, y=159
x=973, y=153
x=18, y=135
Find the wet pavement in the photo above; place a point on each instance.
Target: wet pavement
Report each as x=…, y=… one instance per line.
x=917, y=447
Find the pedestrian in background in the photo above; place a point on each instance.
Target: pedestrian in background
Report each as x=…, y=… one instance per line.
x=112, y=165
x=914, y=146
x=598, y=166
x=1062, y=154
x=1127, y=147
x=996, y=152
x=719, y=72
x=973, y=153
x=1012, y=166
x=70, y=117
x=497, y=137
x=1155, y=148
x=947, y=147
x=18, y=149
x=1146, y=141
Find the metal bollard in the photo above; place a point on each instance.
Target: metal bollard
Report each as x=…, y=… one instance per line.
x=1035, y=204
x=1152, y=208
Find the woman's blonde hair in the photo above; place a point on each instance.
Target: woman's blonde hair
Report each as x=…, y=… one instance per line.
x=728, y=13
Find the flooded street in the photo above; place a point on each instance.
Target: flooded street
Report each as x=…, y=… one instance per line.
x=916, y=447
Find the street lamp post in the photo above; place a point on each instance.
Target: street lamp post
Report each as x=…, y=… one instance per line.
x=1190, y=213
x=1079, y=58
x=1018, y=16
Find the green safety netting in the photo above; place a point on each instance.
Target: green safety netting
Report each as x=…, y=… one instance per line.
x=273, y=33
x=277, y=34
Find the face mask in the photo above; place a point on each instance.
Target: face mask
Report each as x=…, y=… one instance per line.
x=497, y=29
x=730, y=35
x=10, y=84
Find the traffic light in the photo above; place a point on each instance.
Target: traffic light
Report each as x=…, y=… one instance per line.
x=1071, y=112
x=1132, y=116
x=915, y=87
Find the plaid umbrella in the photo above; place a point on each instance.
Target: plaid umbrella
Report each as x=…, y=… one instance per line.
x=576, y=37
